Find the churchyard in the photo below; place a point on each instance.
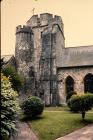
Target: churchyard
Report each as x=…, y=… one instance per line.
x=56, y=122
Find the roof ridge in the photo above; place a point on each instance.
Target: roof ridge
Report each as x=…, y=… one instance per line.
x=80, y=46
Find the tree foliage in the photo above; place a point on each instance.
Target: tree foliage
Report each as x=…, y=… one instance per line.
x=16, y=79
x=9, y=108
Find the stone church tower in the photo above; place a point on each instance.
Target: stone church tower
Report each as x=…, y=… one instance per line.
x=50, y=70
x=38, y=47
x=24, y=55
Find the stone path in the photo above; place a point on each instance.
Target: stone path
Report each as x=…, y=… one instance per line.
x=85, y=133
x=24, y=132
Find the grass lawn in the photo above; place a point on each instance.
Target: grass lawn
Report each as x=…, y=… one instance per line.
x=57, y=122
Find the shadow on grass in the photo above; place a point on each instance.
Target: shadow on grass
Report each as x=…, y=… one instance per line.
x=26, y=119
x=86, y=121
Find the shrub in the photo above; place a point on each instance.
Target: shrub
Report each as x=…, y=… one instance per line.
x=81, y=103
x=70, y=94
x=33, y=106
x=16, y=80
x=9, y=107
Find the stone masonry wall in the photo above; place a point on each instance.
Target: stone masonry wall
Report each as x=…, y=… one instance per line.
x=77, y=74
x=45, y=29
x=24, y=51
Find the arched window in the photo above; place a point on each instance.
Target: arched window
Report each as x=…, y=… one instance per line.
x=69, y=84
x=88, y=83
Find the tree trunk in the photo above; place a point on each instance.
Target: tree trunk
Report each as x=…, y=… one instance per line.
x=83, y=115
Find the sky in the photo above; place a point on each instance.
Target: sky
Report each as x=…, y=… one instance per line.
x=77, y=16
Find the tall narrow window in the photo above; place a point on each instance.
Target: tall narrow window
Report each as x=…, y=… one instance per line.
x=88, y=83
x=69, y=84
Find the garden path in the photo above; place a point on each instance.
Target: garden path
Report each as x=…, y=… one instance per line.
x=24, y=132
x=85, y=133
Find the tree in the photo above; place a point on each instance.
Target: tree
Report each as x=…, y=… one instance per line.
x=81, y=103
x=9, y=108
x=16, y=79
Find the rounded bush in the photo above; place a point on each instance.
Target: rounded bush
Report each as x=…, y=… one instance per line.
x=81, y=103
x=33, y=106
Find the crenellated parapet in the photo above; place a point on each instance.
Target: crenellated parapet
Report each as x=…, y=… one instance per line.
x=23, y=29
x=23, y=33
x=44, y=20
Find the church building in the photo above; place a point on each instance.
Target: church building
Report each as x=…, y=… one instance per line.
x=50, y=69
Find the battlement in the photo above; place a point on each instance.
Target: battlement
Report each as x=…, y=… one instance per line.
x=23, y=29
x=57, y=18
x=44, y=19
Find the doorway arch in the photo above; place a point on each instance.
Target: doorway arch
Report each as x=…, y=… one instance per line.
x=88, y=83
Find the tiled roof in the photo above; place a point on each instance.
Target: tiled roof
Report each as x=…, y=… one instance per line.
x=76, y=56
